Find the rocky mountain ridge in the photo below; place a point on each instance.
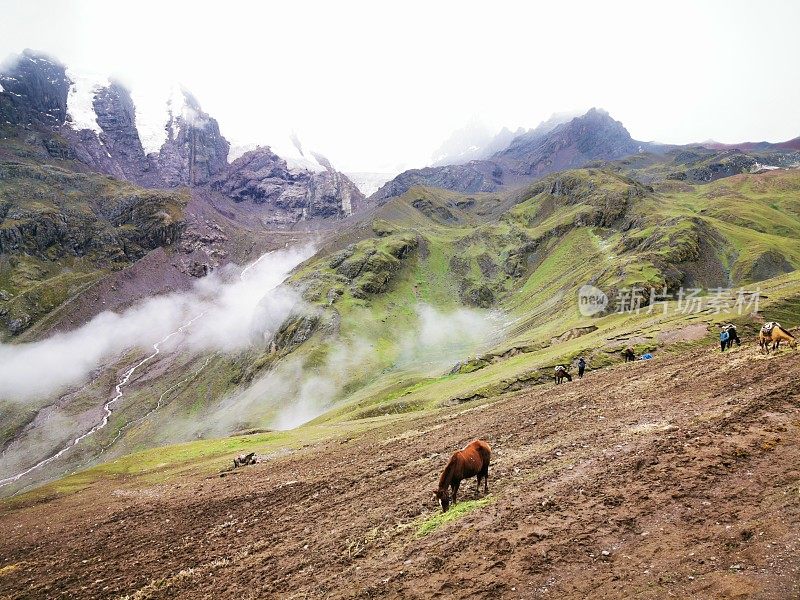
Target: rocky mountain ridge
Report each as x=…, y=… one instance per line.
x=96, y=125
x=594, y=139
x=262, y=177
x=551, y=147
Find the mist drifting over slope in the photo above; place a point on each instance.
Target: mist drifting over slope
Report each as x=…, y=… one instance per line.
x=298, y=390
x=227, y=311
x=231, y=309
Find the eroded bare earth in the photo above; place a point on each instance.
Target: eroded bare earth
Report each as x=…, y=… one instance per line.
x=678, y=477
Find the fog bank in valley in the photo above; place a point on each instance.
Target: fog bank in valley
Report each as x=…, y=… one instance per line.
x=231, y=309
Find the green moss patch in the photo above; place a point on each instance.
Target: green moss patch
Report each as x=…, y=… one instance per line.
x=456, y=511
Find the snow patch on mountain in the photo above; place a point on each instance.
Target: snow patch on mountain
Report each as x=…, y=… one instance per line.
x=184, y=109
x=80, y=100
x=289, y=149
x=161, y=114
x=152, y=117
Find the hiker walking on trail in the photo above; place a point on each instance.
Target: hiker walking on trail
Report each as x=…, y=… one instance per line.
x=733, y=336
x=723, y=339
x=581, y=367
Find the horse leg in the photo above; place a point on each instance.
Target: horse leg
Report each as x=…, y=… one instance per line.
x=478, y=487
x=486, y=481
x=455, y=491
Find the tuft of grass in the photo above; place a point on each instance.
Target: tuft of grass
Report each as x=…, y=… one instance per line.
x=9, y=569
x=456, y=512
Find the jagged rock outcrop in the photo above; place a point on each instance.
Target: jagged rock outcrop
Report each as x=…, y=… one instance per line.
x=36, y=96
x=95, y=123
x=592, y=136
x=262, y=177
x=116, y=116
x=116, y=149
x=195, y=150
x=35, y=89
x=85, y=216
x=202, y=247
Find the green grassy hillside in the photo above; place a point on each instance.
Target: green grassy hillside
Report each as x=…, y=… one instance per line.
x=519, y=261
x=436, y=299
x=397, y=397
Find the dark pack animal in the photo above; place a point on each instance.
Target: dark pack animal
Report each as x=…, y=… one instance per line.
x=629, y=355
x=471, y=461
x=561, y=374
x=244, y=460
x=728, y=335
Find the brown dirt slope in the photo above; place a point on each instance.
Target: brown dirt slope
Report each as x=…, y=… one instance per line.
x=678, y=477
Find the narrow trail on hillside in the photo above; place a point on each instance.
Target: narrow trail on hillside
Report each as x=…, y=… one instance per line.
x=107, y=407
x=157, y=406
x=123, y=381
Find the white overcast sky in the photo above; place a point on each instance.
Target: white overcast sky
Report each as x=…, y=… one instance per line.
x=377, y=86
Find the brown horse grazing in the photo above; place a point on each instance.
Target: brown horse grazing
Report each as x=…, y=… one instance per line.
x=469, y=462
x=773, y=336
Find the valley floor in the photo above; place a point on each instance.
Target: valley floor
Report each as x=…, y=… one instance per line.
x=677, y=477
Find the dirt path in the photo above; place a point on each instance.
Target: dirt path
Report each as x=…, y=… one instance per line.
x=677, y=477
